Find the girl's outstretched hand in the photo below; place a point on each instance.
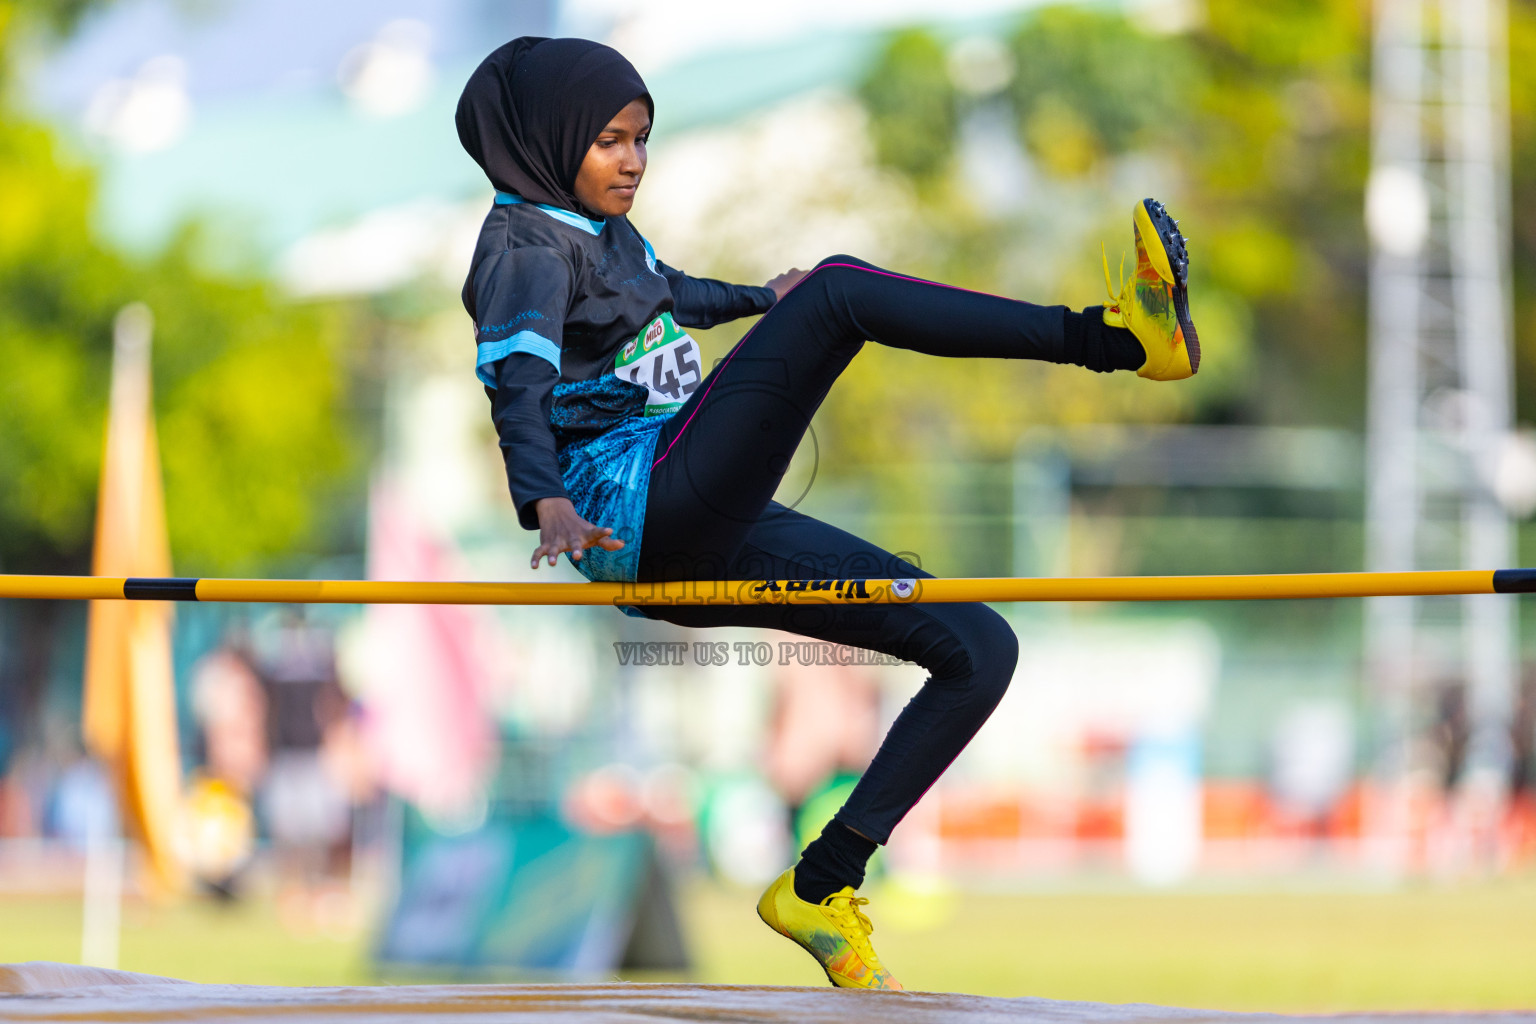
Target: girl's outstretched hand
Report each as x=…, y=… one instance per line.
x=785, y=281
x=561, y=528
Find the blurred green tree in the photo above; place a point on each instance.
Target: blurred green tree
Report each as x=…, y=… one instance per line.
x=249, y=389
x=1274, y=167
x=1088, y=85
x=1255, y=123
x=1522, y=104
x=912, y=105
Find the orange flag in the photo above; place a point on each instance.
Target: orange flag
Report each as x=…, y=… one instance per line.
x=129, y=718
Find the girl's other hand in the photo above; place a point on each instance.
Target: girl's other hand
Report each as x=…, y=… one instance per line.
x=785, y=281
x=561, y=528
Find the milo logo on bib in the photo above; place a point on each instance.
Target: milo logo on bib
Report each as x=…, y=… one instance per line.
x=665, y=360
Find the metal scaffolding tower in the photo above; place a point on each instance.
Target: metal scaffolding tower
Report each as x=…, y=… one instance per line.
x=1440, y=387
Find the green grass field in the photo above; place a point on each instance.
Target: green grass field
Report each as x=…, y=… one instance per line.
x=1466, y=947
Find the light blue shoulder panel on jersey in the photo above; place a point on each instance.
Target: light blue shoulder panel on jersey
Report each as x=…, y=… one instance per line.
x=650, y=254
x=575, y=220
x=488, y=352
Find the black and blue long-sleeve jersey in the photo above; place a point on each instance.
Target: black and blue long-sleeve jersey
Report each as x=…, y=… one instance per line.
x=581, y=347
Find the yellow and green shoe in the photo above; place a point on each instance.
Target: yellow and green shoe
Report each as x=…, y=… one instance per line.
x=1154, y=305
x=834, y=931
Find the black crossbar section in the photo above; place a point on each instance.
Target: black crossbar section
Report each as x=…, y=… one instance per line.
x=1514, y=581
x=167, y=589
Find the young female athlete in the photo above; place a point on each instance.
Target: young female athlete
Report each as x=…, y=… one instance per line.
x=627, y=456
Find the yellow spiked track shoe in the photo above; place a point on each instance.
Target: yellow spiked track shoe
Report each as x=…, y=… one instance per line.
x=834, y=931
x=1154, y=305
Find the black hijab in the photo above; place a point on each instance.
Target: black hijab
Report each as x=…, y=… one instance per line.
x=534, y=107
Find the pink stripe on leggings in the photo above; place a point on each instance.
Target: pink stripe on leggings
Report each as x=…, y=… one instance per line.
x=807, y=277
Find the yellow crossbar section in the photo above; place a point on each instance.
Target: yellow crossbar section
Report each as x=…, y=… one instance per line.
x=838, y=591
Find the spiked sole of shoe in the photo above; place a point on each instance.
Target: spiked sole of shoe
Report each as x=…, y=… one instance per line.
x=1177, y=252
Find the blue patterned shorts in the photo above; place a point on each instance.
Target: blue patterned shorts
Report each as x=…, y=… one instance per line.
x=608, y=479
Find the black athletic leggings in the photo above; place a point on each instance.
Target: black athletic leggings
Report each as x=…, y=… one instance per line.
x=719, y=459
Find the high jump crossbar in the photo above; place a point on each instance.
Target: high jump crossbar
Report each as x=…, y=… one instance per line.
x=1420, y=583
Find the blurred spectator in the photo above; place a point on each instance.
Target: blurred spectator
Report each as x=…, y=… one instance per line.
x=1521, y=822
x=231, y=710
x=1105, y=755
x=825, y=723
x=1451, y=731
x=305, y=808
x=1311, y=762
x=16, y=818
x=1522, y=781
x=218, y=834
x=83, y=804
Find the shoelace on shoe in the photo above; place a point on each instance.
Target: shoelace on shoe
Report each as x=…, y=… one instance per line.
x=851, y=916
x=1114, y=296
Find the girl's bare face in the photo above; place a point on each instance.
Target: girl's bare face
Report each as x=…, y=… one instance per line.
x=610, y=175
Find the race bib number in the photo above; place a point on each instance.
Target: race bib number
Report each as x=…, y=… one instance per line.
x=665, y=360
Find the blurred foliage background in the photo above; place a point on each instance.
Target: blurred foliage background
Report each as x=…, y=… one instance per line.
x=1252, y=122
x=1254, y=127
x=1256, y=122
x=251, y=389
x=261, y=451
